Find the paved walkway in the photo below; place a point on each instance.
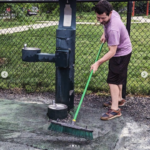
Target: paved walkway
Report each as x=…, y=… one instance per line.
x=25, y=28
x=34, y=26
x=141, y=19
x=53, y=23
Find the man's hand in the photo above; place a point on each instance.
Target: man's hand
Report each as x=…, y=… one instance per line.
x=103, y=39
x=107, y=56
x=95, y=66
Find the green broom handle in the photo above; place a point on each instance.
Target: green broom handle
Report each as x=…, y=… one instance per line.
x=80, y=103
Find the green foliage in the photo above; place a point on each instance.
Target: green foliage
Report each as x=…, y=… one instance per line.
x=140, y=7
x=4, y=85
x=30, y=89
x=119, y=6
x=17, y=9
x=56, y=11
x=85, y=7
x=50, y=9
x=47, y=7
x=2, y=7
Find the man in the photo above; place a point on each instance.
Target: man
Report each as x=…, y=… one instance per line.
x=119, y=44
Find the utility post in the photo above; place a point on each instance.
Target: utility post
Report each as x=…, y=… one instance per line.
x=64, y=57
x=65, y=49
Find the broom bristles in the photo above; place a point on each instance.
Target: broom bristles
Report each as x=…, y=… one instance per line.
x=71, y=130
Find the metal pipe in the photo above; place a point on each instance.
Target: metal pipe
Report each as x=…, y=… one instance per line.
x=45, y=57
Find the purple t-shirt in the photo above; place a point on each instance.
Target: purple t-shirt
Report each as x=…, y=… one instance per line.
x=117, y=34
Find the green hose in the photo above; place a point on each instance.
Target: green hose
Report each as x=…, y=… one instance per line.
x=80, y=103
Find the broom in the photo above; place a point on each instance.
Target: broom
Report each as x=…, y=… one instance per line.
x=72, y=128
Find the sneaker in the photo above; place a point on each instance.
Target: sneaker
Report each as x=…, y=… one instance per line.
x=111, y=114
x=120, y=103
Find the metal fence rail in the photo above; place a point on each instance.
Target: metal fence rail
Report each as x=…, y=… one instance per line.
x=35, y=24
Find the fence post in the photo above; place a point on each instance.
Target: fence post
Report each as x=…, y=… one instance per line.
x=128, y=25
x=147, y=10
x=133, y=7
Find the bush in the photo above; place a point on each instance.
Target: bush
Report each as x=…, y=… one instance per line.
x=140, y=8
x=85, y=7
x=56, y=11
x=119, y=6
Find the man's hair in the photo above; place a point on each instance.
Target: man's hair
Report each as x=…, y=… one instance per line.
x=103, y=6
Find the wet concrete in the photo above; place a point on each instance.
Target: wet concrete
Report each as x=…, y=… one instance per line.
x=24, y=126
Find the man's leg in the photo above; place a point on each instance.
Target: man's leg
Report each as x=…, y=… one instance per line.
x=120, y=99
x=115, y=91
x=114, y=111
x=120, y=92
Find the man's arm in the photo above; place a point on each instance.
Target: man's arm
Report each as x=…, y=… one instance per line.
x=107, y=56
x=102, y=39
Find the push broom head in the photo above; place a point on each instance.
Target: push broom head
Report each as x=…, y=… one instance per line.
x=71, y=129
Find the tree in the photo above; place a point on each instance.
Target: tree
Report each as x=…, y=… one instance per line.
x=17, y=9
x=47, y=7
x=140, y=7
x=2, y=7
x=85, y=7
x=119, y=6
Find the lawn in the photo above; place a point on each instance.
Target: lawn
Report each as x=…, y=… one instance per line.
x=40, y=76
x=29, y=20
x=80, y=17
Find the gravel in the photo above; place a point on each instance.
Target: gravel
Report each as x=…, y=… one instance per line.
x=138, y=107
x=134, y=125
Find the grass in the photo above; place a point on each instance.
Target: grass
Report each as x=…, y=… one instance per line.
x=80, y=17
x=29, y=20
x=40, y=76
x=7, y=23
x=147, y=17
x=91, y=17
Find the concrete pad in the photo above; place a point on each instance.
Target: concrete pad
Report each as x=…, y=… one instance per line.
x=24, y=126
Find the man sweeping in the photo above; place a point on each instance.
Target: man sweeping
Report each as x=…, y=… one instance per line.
x=120, y=48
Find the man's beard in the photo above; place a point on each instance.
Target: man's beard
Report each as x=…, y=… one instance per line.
x=105, y=22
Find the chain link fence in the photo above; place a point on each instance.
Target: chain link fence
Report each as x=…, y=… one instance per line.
x=35, y=24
